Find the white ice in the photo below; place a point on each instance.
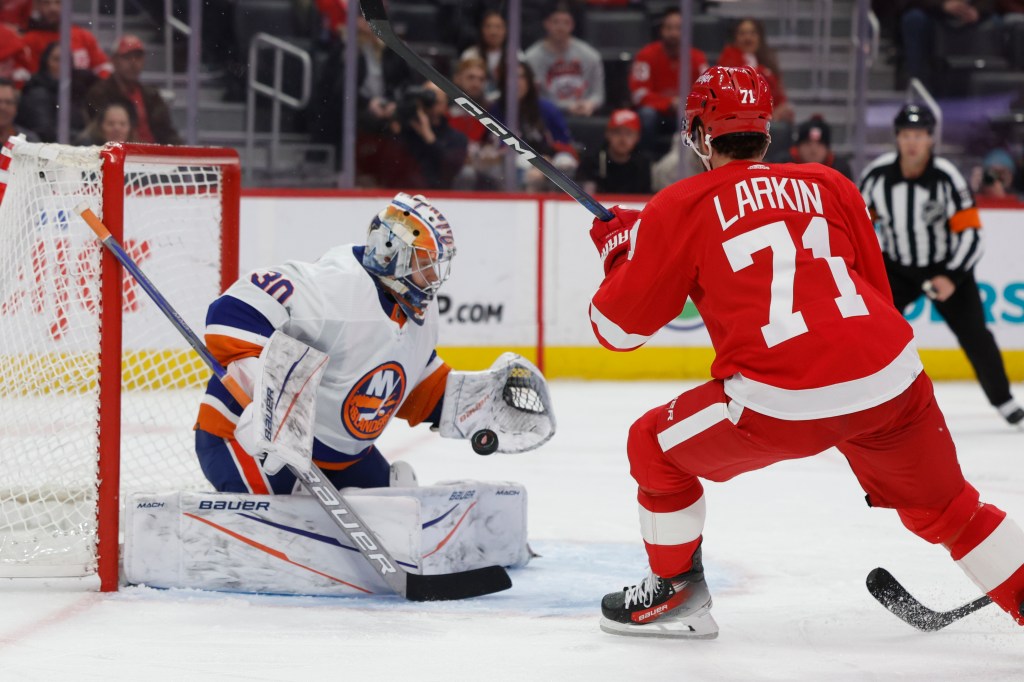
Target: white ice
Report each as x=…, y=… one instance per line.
x=786, y=552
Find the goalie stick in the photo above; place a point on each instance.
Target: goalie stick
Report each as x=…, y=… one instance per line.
x=377, y=17
x=893, y=596
x=412, y=586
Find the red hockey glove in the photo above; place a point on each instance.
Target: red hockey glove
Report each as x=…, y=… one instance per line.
x=612, y=238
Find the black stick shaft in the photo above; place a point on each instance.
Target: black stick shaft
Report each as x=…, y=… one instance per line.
x=373, y=11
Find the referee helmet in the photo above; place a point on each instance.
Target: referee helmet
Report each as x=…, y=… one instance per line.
x=913, y=116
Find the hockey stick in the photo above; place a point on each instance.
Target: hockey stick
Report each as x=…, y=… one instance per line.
x=373, y=11
x=412, y=586
x=893, y=596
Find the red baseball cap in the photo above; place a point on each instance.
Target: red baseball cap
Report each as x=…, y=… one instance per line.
x=129, y=44
x=624, y=118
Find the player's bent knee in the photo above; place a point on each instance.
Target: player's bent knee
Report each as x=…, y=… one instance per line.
x=642, y=441
x=941, y=526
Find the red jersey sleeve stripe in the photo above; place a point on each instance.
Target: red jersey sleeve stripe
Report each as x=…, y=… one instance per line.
x=612, y=335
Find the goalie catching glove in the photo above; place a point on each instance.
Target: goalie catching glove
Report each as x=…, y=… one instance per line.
x=277, y=426
x=509, y=399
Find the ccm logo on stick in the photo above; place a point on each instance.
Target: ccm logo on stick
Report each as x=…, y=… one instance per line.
x=492, y=125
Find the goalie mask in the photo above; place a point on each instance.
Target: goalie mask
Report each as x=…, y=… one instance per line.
x=409, y=248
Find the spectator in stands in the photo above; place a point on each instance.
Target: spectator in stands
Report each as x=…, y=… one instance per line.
x=382, y=75
x=1010, y=9
x=152, y=121
x=9, y=111
x=919, y=19
x=618, y=167
x=432, y=153
x=13, y=60
x=490, y=47
x=115, y=122
x=39, y=98
x=333, y=17
x=654, y=79
x=482, y=170
x=569, y=72
x=15, y=14
x=749, y=47
x=470, y=75
x=44, y=28
x=814, y=145
x=994, y=177
x=543, y=127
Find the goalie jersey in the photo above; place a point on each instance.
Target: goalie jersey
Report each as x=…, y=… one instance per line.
x=381, y=365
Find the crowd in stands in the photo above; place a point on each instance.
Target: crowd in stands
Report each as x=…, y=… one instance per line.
x=612, y=129
x=563, y=92
x=109, y=103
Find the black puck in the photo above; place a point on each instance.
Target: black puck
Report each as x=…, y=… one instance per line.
x=485, y=442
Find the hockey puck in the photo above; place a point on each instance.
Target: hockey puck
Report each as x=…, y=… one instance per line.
x=485, y=442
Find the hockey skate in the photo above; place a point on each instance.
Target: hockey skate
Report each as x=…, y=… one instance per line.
x=662, y=607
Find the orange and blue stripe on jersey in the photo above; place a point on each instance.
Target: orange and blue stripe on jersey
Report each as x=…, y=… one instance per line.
x=234, y=330
x=229, y=468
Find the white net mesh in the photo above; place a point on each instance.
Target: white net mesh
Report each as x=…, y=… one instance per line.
x=50, y=330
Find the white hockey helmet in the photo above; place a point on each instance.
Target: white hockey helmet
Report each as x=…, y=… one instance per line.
x=409, y=248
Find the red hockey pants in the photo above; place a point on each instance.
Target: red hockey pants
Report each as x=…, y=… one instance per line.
x=900, y=451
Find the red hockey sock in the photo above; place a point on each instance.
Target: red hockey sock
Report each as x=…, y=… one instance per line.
x=990, y=550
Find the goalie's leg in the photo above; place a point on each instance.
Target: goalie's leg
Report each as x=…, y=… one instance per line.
x=230, y=469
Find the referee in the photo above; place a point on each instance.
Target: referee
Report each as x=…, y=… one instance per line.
x=930, y=234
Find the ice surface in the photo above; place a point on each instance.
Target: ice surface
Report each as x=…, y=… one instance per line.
x=786, y=552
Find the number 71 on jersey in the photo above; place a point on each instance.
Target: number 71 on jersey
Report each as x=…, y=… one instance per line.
x=784, y=323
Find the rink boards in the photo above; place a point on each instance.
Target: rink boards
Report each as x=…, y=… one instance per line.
x=526, y=269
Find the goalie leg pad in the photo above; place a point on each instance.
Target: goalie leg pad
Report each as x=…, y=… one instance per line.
x=287, y=545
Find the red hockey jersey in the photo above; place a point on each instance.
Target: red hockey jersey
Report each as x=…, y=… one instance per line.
x=783, y=264
x=654, y=76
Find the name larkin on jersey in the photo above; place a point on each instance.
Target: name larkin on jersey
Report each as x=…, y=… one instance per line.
x=755, y=194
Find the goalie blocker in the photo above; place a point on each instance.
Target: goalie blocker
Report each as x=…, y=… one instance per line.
x=283, y=544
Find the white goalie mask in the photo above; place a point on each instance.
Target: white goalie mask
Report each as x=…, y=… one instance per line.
x=409, y=248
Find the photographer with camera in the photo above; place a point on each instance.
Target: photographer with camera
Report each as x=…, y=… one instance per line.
x=430, y=153
x=994, y=177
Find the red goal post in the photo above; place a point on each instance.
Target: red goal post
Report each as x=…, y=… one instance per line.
x=99, y=392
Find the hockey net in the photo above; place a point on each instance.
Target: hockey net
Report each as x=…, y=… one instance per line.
x=95, y=385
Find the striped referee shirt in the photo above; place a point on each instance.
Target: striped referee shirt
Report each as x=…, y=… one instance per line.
x=927, y=221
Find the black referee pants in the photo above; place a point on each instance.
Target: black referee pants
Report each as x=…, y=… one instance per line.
x=965, y=317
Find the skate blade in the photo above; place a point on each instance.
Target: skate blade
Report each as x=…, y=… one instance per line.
x=698, y=626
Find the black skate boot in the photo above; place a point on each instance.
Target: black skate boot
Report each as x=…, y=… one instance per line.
x=662, y=607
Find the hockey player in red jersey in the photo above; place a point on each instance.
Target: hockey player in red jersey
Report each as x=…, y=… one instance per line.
x=782, y=262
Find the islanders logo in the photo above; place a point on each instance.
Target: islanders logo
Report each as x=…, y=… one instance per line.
x=374, y=398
